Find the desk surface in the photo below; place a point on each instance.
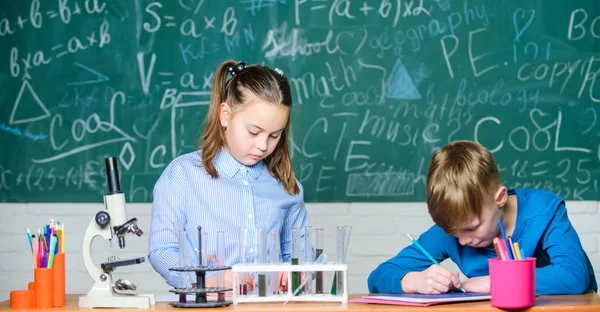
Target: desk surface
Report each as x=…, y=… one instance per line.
x=580, y=303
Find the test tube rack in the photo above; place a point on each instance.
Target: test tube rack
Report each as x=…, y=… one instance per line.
x=288, y=269
x=200, y=290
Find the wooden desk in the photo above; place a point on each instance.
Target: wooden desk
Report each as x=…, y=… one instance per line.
x=579, y=303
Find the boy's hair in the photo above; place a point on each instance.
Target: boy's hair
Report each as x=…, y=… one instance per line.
x=462, y=177
x=267, y=85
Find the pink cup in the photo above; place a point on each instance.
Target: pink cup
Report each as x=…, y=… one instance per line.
x=512, y=283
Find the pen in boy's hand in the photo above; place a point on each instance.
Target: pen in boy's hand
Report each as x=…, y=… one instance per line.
x=428, y=256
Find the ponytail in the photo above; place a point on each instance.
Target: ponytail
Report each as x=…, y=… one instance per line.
x=213, y=138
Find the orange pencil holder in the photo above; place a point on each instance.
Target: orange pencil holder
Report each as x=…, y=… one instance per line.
x=31, y=286
x=21, y=299
x=58, y=267
x=44, y=287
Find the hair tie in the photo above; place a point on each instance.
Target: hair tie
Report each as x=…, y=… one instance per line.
x=279, y=71
x=234, y=70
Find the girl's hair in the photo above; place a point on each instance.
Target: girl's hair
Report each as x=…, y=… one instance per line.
x=267, y=85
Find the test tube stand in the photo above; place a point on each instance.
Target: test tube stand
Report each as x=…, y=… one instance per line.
x=288, y=269
x=200, y=290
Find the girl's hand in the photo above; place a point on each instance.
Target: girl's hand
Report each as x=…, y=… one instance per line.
x=227, y=279
x=283, y=281
x=478, y=284
x=434, y=280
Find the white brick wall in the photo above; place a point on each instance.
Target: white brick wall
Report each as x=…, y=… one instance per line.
x=377, y=234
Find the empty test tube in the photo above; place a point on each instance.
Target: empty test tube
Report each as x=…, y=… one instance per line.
x=183, y=280
x=342, y=240
x=204, y=249
x=274, y=251
x=261, y=258
x=200, y=275
x=318, y=252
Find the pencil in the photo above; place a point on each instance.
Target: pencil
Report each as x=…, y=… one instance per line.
x=508, y=247
x=517, y=251
x=29, y=238
x=43, y=240
x=428, y=255
x=499, y=251
x=512, y=248
x=35, y=251
x=61, y=241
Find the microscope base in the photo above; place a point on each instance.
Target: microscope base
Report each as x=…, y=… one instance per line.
x=139, y=301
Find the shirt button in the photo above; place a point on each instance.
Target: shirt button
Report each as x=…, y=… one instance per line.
x=251, y=250
x=245, y=182
x=249, y=216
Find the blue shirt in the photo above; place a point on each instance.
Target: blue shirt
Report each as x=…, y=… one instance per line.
x=241, y=197
x=542, y=229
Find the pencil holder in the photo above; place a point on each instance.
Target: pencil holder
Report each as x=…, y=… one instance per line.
x=512, y=283
x=31, y=286
x=58, y=266
x=21, y=299
x=44, y=293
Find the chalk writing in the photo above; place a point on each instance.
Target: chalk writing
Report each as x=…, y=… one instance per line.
x=376, y=86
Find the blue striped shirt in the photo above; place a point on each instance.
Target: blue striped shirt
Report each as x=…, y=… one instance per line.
x=242, y=197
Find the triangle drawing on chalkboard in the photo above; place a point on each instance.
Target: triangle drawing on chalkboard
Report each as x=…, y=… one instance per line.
x=99, y=77
x=399, y=84
x=27, y=114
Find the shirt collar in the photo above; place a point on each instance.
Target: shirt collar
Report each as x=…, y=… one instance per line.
x=226, y=164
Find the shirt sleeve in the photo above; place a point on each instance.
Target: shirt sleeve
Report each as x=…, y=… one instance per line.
x=167, y=208
x=295, y=217
x=568, y=270
x=387, y=276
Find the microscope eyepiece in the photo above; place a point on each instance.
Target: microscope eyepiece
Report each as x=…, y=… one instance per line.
x=112, y=175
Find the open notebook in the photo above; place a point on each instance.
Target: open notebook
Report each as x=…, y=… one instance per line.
x=421, y=299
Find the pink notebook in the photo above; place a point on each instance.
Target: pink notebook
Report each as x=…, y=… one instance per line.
x=421, y=299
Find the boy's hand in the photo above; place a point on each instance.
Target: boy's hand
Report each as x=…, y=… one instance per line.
x=477, y=284
x=434, y=280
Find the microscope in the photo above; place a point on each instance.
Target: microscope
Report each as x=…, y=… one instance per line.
x=107, y=223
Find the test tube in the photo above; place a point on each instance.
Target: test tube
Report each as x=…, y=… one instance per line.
x=347, y=235
x=339, y=252
x=243, y=260
x=204, y=248
x=342, y=241
x=183, y=281
x=261, y=258
x=200, y=275
x=221, y=262
x=318, y=252
x=308, y=258
x=274, y=251
x=296, y=249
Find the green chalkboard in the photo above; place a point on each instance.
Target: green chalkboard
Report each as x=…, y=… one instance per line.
x=377, y=86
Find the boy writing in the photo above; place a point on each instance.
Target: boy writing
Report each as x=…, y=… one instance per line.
x=465, y=199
